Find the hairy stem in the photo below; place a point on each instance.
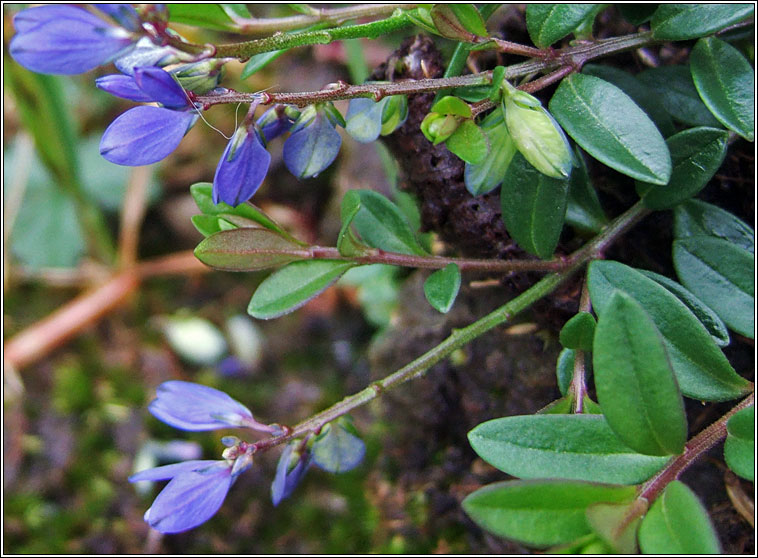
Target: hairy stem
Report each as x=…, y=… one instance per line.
x=460, y=337
x=578, y=381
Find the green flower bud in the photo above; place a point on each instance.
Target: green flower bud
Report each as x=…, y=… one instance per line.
x=199, y=77
x=536, y=134
x=438, y=127
x=394, y=114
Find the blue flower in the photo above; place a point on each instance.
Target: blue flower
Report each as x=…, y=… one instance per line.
x=195, y=493
x=195, y=407
x=242, y=167
x=276, y=121
x=314, y=143
x=66, y=40
x=290, y=471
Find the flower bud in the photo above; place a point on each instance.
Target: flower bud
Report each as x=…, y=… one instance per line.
x=199, y=77
x=536, y=134
x=439, y=127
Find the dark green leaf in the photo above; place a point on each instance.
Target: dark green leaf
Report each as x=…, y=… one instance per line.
x=721, y=275
x=564, y=369
x=677, y=523
x=210, y=16
x=608, y=125
x=534, y=206
x=707, y=317
x=486, y=176
x=701, y=369
x=696, y=155
x=548, y=23
x=579, y=446
x=441, y=287
x=247, y=249
x=380, y=224
x=578, y=332
x=678, y=22
x=469, y=143
x=636, y=14
x=676, y=93
x=583, y=210
x=647, y=99
x=292, y=286
x=617, y=524
x=739, y=448
x=726, y=83
x=337, y=449
x=635, y=384
x=461, y=22
x=698, y=218
x=540, y=512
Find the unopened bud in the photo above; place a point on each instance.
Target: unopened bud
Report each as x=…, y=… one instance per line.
x=199, y=77
x=439, y=127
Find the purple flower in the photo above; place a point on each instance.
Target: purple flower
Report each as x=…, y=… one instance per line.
x=66, y=40
x=290, y=471
x=195, y=493
x=276, y=121
x=314, y=143
x=242, y=167
x=120, y=85
x=195, y=407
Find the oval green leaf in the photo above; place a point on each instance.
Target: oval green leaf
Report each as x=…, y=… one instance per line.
x=696, y=155
x=726, y=83
x=292, y=286
x=583, y=209
x=698, y=218
x=381, y=224
x=461, y=22
x=707, y=317
x=701, y=369
x=469, y=143
x=617, y=524
x=247, y=249
x=676, y=93
x=610, y=126
x=221, y=17
x=534, y=207
x=677, y=523
x=721, y=275
x=540, y=512
x=564, y=369
x=578, y=332
x=739, y=448
x=441, y=287
x=578, y=446
x=678, y=22
x=635, y=384
x=548, y=23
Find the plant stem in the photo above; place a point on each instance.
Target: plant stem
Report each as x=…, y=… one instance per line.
x=578, y=381
x=694, y=449
x=460, y=337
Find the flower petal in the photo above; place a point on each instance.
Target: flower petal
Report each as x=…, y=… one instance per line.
x=241, y=170
x=195, y=407
x=144, y=135
x=170, y=471
x=122, y=86
x=288, y=477
x=312, y=148
x=161, y=86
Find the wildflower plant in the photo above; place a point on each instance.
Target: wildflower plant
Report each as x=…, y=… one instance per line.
x=591, y=476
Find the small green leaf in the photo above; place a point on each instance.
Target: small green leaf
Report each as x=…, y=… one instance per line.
x=469, y=143
x=721, y=275
x=347, y=244
x=707, y=317
x=726, y=83
x=548, y=23
x=679, y=22
x=636, y=14
x=441, y=287
x=337, y=449
x=483, y=178
x=461, y=22
x=583, y=210
x=698, y=218
x=739, y=448
x=677, y=523
x=578, y=332
x=259, y=61
x=635, y=384
x=696, y=155
x=617, y=524
x=701, y=369
x=206, y=224
x=610, y=126
x=588, y=544
x=210, y=16
x=292, y=286
x=534, y=206
x=540, y=512
x=578, y=446
x=247, y=249
x=452, y=105
x=676, y=93
x=641, y=94
x=564, y=369
x=381, y=224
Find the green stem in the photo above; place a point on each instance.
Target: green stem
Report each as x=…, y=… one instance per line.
x=461, y=337
x=578, y=381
